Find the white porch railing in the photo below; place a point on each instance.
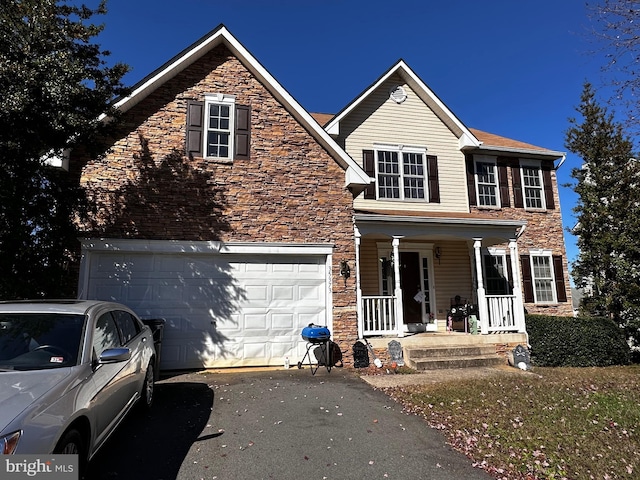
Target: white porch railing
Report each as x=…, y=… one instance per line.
x=502, y=316
x=379, y=315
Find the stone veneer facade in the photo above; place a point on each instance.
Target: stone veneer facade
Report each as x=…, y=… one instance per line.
x=289, y=191
x=544, y=230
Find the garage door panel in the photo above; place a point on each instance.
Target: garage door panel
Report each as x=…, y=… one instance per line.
x=220, y=310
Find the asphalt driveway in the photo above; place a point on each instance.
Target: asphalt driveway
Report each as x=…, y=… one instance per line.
x=277, y=424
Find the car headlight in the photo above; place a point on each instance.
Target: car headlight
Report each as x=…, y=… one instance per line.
x=8, y=443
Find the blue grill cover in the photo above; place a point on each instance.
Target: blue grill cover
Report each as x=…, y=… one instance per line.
x=315, y=333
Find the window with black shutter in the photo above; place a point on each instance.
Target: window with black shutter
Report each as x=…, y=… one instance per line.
x=218, y=128
x=401, y=173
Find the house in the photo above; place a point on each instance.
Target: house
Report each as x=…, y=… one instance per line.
x=225, y=208
x=457, y=214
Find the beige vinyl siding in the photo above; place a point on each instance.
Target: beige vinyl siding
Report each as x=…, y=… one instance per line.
x=411, y=123
x=453, y=276
x=369, y=269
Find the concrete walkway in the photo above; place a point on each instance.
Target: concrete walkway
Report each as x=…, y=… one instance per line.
x=380, y=379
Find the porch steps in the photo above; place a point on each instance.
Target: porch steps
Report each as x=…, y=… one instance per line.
x=451, y=356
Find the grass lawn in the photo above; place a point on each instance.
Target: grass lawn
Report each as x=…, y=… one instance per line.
x=548, y=423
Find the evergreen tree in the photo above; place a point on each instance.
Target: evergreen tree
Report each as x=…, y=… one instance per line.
x=608, y=215
x=54, y=85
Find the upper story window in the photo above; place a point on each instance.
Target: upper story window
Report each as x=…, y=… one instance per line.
x=219, y=121
x=218, y=128
x=487, y=182
x=401, y=173
x=532, y=185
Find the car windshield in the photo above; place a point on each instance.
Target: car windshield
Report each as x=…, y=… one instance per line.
x=33, y=341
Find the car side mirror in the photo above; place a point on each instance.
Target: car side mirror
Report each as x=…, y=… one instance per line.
x=114, y=355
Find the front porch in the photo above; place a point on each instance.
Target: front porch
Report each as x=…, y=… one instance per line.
x=410, y=269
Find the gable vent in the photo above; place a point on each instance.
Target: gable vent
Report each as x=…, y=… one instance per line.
x=397, y=94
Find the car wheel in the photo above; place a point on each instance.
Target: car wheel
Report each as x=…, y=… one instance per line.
x=72, y=443
x=148, y=386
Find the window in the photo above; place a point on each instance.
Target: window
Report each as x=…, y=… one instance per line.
x=496, y=275
x=105, y=335
x=129, y=326
x=401, y=174
x=218, y=128
x=487, y=183
x=532, y=186
x=543, y=279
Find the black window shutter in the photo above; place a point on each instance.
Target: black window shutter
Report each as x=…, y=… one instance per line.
x=503, y=183
x=195, y=128
x=548, y=188
x=368, y=163
x=243, y=132
x=558, y=271
x=471, y=180
x=518, y=201
x=527, y=281
x=432, y=176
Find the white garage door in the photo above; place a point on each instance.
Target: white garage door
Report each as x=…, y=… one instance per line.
x=220, y=310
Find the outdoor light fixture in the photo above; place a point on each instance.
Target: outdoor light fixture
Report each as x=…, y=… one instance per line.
x=345, y=271
x=437, y=253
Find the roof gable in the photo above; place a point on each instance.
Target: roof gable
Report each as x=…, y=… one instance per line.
x=355, y=177
x=465, y=137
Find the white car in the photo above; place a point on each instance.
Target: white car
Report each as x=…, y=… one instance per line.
x=70, y=370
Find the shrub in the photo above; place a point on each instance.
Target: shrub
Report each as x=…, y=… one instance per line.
x=576, y=342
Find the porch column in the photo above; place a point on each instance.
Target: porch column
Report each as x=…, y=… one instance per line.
x=518, y=304
x=397, y=287
x=358, y=287
x=483, y=311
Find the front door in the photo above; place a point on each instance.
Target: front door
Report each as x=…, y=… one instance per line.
x=410, y=281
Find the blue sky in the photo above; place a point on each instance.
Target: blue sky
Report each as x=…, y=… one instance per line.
x=510, y=67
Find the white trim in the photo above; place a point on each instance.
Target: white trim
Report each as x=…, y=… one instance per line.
x=534, y=164
x=219, y=99
x=543, y=254
x=401, y=150
x=493, y=160
x=201, y=247
x=524, y=151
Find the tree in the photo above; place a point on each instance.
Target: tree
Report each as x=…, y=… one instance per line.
x=617, y=32
x=54, y=86
x=608, y=215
